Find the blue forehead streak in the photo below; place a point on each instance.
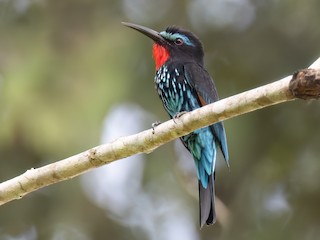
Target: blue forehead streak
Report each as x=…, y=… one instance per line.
x=174, y=36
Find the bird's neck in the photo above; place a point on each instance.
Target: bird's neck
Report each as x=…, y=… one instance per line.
x=160, y=55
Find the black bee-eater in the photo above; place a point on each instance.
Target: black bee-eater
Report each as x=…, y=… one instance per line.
x=183, y=85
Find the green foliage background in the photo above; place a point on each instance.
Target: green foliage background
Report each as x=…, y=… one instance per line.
x=64, y=64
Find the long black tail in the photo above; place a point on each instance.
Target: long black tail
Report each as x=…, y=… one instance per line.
x=206, y=203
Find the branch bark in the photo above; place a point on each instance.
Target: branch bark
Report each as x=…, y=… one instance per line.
x=304, y=84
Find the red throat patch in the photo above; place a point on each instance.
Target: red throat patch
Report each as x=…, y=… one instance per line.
x=160, y=55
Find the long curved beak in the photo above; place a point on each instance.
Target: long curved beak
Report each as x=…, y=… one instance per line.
x=154, y=35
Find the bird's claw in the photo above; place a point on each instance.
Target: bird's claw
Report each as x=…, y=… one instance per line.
x=154, y=125
x=177, y=115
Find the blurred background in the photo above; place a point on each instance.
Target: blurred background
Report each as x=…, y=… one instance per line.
x=72, y=77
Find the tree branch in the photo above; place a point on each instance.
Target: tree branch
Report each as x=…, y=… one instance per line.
x=304, y=84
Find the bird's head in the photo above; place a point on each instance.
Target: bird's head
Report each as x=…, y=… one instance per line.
x=174, y=43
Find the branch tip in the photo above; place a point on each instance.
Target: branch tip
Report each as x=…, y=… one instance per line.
x=305, y=84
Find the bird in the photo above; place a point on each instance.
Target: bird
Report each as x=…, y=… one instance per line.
x=183, y=84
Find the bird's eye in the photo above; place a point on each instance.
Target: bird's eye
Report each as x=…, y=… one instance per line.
x=178, y=41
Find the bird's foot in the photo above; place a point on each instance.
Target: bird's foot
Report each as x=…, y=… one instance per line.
x=177, y=115
x=154, y=125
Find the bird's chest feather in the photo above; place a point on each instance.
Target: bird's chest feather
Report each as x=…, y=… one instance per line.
x=174, y=91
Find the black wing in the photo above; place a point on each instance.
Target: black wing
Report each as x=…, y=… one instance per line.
x=200, y=80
